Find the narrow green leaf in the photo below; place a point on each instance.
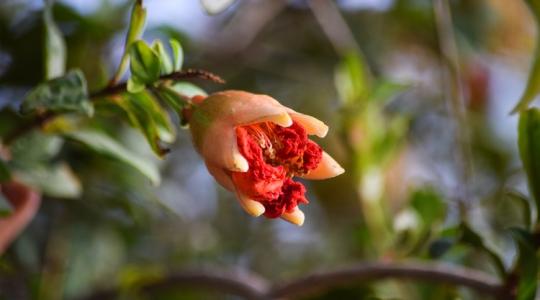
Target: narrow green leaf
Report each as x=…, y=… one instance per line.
x=216, y=6
x=5, y=207
x=178, y=101
x=5, y=173
x=136, y=28
x=55, y=47
x=147, y=115
x=164, y=58
x=525, y=204
x=472, y=238
x=145, y=64
x=529, y=150
x=54, y=181
x=174, y=99
x=63, y=94
x=105, y=145
x=532, y=89
x=178, y=54
x=526, y=265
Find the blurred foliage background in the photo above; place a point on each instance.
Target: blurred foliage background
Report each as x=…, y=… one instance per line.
x=373, y=70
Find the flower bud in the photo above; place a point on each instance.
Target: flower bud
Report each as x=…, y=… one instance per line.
x=254, y=147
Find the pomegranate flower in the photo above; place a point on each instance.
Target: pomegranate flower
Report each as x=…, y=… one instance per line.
x=254, y=146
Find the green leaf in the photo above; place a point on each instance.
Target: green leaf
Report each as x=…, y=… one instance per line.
x=145, y=63
x=63, y=94
x=525, y=204
x=55, y=47
x=429, y=206
x=352, y=79
x=178, y=54
x=529, y=150
x=470, y=237
x=34, y=149
x=54, y=181
x=166, y=63
x=147, y=115
x=5, y=207
x=532, y=88
x=526, y=265
x=105, y=145
x=174, y=99
x=5, y=173
x=216, y=6
x=188, y=89
x=136, y=28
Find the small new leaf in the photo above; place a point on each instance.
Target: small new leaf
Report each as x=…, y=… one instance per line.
x=63, y=94
x=55, y=47
x=105, y=145
x=178, y=54
x=136, y=28
x=144, y=64
x=164, y=58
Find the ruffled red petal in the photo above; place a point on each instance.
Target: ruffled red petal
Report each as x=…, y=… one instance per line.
x=312, y=156
x=292, y=141
x=262, y=181
x=292, y=194
x=274, y=155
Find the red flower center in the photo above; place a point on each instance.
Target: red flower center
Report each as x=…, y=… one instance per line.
x=275, y=154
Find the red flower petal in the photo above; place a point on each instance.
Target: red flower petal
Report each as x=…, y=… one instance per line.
x=262, y=181
x=292, y=194
x=275, y=154
x=312, y=156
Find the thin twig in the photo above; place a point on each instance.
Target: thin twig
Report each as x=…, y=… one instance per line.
x=254, y=287
x=42, y=119
x=452, y=81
